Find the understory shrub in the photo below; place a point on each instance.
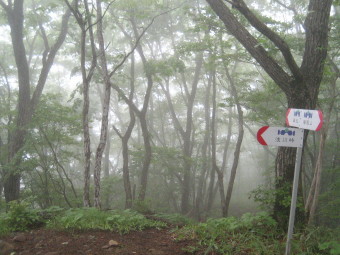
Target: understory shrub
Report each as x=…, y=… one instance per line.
x=114, y=220
x=4, y=227
x=21, y=217
x=255, y=234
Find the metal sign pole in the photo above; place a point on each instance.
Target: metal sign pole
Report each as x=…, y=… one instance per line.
x=294, y=198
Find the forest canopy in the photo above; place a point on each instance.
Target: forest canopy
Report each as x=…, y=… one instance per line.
x=155, y=105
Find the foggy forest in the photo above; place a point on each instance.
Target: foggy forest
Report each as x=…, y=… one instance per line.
x=151, y=110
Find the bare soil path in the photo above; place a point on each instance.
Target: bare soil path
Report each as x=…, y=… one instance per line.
x=50, y=242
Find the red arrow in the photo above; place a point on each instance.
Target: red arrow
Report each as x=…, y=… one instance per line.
x=287, y=115
x=321, y=121
x=259, y=135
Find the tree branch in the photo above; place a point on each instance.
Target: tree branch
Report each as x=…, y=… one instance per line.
x=139, y=37
x=271, y=35
x=273, y=69
x=5, y=6
x=49, y=61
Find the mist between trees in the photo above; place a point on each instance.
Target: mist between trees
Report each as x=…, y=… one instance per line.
x=155, y=105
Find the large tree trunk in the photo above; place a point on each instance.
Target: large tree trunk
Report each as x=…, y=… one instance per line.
x=301, y=84
x=285, y=159
x=26, y=105
x=15, y=16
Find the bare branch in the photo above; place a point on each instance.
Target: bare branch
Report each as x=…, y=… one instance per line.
x=138, y=40
x=117, y=131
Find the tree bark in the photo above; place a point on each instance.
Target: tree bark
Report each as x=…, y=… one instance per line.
x=222, y=170
x=143, y=122
x=313, y=195
x=301, y=84
x=25, y=105
x=105, y=109
x=205, y=166
x=141, y=114
x=238, y=142
x=85, y=24
x=214, y=167
x=187, y=138
x=125, y=139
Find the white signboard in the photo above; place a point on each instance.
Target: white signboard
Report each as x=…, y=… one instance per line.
x=280, y=136
x=306, y=119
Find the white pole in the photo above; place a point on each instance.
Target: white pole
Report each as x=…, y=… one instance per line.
x=294, y=198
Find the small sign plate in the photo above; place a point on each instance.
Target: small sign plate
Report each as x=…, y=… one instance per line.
x=306, y=119
x=280, y=136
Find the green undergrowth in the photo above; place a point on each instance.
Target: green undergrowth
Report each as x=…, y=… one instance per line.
x=174, y=219
x=20, y=217
x=249, y=234
x=255, y=234
x=91, y=218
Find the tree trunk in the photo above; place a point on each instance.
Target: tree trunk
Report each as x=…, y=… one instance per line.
x=214, y=167
x=147, y=159
x=185, y=206
x=238, y=143
x=126, y=173
x=143, y=122
x=15, y=16
x=201, y=183
x=125, y=139
x=106, y=167
x=105, y=110
x=141, y=114
x=301, y=84
x=313, y=196
x=86, y=78
x=25, y=105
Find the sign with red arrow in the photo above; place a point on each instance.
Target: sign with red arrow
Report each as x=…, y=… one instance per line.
x=280, y=136
x=306, y=119
x=292, y=137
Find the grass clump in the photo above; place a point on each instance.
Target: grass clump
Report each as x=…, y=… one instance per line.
x=91, y=218
x=256, y=234
x=174, y=219
x=250, y=234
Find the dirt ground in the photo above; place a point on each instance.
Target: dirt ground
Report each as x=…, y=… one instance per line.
x=49, y=242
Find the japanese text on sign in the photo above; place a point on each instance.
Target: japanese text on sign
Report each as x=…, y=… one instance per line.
x=280, y=136
x=306, y=119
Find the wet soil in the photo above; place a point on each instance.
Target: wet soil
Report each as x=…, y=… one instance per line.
x=51, y=242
